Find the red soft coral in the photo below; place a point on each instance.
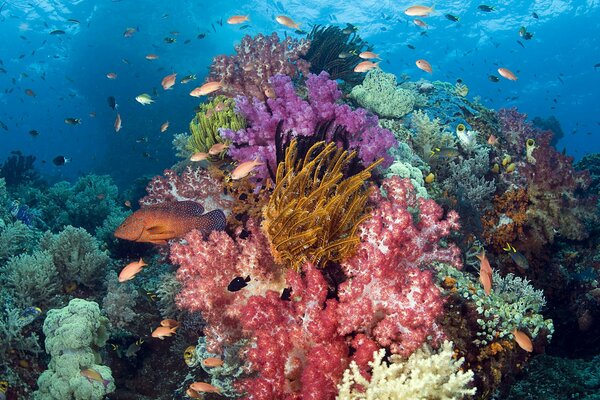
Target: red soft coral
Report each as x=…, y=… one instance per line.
x=387, y=295
x=206, y=267
x=297, y=352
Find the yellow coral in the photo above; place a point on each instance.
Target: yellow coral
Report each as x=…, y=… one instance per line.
x=314, y=212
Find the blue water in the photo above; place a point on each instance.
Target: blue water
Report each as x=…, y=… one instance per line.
x=555, y=68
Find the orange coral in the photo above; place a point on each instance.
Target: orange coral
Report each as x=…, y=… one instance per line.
x=506, y=222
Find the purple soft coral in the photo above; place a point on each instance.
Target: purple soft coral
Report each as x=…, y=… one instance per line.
x=301, y=118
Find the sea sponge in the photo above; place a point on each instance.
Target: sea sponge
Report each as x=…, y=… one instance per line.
x=379, y=93
x=32, y=279
x=213, y=116
x=74, y=334
x=77, y=255
x=314, y=213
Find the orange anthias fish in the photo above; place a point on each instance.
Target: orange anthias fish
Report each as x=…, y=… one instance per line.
x=204, y=387
x=191, y=393
x=366, y=55
x=118, y=123
x=420, y=23
x=164, y=126
x=238, y=19
x=93, y=375
x=217, y=148
x=485, y=273
x=131, y=270
x=168, y=81
x=169, y=323
x=507, y=73
x=424, y=65
x=523, y=340
x=205, y=89
x=111, y=75
x=151, y=57
x=212, y=362
x=365, y=66
x=418, y=11
x=159, y=223
x=163, y=331
x=242, y=170
x=287, y=21
x=199, y=156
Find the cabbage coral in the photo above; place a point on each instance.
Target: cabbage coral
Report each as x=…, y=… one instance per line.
x=204, y=127
x=314, y=212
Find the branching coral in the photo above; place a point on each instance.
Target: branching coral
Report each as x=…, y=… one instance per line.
x=336, y=52
x=380, y=94
x=313, y=213
x=213, y=116
x=32, y=279
x=77, y=256
x=13, y=337
x=467, y=182
x=426, y=375
x=119, y=302
x=429, y=134
x=15, y=238
x=512, y=304
x=259, y=58
x=298, y=117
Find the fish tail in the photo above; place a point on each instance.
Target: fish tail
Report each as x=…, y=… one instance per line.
x=212, y=221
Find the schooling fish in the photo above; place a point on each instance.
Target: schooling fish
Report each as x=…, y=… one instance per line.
x=165, y=221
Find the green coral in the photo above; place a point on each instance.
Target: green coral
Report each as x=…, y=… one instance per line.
x=407, y=165
x=204, y=128
x=13, y=337
x=15, y=238
x=32, y=279
x=74, y=334
x=512, y=304
x=379, y=93
x=429, y=134
x=85, y=204
x=76, y=255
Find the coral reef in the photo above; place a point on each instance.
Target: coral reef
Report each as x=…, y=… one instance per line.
x=296, y=350
x=15, y=238
x=313, y=212
x=213, y=116
x=385, y=275
x=18, y=169
x=424, y=376
x=335, y=51
x=73, y=336
x=429, y=134
x=193, y=183
x=77, y=256
x=301, y=118
x=379, y=93
x=13, y=337
x=32, y=279
x=512, y=304
x=258, y=58
x=119, y=302
x=207, y=267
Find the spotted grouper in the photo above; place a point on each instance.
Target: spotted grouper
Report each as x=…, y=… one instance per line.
x=158, y=223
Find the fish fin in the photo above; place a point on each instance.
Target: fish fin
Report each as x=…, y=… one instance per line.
x=157, y=230
x=158, y=241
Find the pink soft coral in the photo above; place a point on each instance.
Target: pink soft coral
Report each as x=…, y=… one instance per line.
x=206, y=267
x=297, y=351
x=388, y=296
x=194, y=184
